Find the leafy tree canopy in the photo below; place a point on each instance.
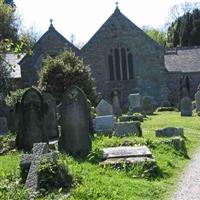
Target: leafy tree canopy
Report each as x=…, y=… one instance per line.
x=185, y=30
x=63, y=71
x=158, y=35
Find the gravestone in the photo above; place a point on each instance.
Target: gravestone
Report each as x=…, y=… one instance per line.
x=125, y=118
x=126, y=154
x=104, y=124
x=50, y=118
x=75, y=123
x=3, y=126
x=169, y=132
x=147, y=105
x=116, y=103
x=31, y=120
x=186, y=107
x=127, y=128
x=30, y=163
x=197, y=99
x=104, y=108
x=134, y=103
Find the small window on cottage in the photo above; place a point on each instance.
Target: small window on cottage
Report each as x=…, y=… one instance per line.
x=120, y=61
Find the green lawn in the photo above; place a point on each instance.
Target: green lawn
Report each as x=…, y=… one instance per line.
x=92, y=181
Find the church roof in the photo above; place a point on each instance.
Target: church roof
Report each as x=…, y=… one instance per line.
x=13, y=60
x=56, y=34
x=186, y=59
x=115, y=21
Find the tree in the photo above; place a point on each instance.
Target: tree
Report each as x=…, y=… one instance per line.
x=185, y=31
x=9, y=23
x=10, y=41
x=179, y=10
x=157, y=35
x=61, y=72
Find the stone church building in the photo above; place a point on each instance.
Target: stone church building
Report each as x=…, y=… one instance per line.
x=122, y=57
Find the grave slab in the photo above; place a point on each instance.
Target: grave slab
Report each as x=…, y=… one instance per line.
x=125, y=152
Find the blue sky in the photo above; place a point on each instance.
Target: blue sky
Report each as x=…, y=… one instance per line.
x=84, y=17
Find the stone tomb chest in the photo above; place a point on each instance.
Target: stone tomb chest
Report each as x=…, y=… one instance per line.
x=126, y=154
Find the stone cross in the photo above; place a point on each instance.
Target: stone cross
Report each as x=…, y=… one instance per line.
x=40, y=150
x=117, y=4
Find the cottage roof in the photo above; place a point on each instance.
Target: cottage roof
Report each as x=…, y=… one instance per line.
x=13, y=60
x=186, y=59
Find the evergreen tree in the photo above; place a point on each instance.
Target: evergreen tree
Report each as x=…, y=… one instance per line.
x=185, y=31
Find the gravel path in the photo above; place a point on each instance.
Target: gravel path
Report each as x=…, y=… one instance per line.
x=189, y=186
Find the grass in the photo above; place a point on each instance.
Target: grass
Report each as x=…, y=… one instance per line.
x=92, y=182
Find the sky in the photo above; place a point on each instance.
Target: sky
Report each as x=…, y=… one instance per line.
x=83, y=18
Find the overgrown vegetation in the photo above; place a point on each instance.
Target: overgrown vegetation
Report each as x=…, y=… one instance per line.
x=92, y=181
x=15, y=97
x=61, y=72
x=53, y=174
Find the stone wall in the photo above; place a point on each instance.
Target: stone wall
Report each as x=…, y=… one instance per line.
x=174, y=85
x=148, y=59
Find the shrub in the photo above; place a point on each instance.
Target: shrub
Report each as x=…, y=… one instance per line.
x=15, y=97
x=63, y=71
x=53, y=174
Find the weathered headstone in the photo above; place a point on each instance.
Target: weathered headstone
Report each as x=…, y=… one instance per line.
x=147, y=105
x=104, y=124
x=186, y=107
x=116, y=103
x=134, y=103
x=169, y=132
x=197, y=99
x=3, y=126
x=104, y=108
x=126, y=154
x=127, y=128
x=31, y=120
x=50, y=118
x=125, y=118
x=30, y=162
x=75, y=123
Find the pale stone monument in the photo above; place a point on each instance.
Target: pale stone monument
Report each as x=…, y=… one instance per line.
x=104, y=108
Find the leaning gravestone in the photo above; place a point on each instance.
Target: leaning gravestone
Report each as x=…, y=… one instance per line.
x=50, y=119
x=186, y=107
x=30, y=163
x=116, y=103
x=134, y=103
x=75, y=123
x=104, y=124
x=3, y=126
x=169, y=132
x=126, y=154
x=31, y=120
x=127, y=128
x=197, y=99
x=147, y=105
x=104, y=108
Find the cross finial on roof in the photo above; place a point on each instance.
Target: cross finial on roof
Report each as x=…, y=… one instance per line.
x=116, y=3
x=51, y=21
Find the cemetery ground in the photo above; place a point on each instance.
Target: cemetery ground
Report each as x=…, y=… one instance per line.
x=92, y=181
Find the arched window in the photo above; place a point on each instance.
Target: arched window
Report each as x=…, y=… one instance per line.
x=120, y=61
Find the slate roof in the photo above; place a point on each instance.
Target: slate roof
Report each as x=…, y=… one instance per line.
x=186, y=59
x=13, y=60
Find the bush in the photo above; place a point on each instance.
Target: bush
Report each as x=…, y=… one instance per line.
x=53, y=174
x=63, y=71
x=15, y=97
